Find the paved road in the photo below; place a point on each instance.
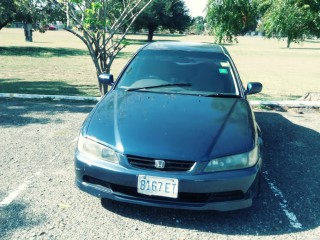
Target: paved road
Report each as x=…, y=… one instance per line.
x=38, y=199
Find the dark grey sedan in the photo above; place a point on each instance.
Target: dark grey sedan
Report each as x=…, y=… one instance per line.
x=175, y=130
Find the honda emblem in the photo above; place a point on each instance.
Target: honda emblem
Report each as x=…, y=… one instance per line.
x=159, y=164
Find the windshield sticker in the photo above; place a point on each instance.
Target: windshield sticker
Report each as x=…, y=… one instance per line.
x=225, y=64
x=223, y=71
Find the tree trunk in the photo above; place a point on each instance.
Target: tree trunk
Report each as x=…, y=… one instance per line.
x=103, y=89
x=28, y=31
x=289, y=42
x=150, y=33
x=67, y=15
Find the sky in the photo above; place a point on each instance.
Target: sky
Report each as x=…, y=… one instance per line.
x=196, y=7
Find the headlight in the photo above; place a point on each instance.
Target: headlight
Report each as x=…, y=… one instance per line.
x=96, y=150
x=239, y=161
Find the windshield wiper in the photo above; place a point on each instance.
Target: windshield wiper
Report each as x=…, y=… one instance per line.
x=159, y=86
x=224, y=95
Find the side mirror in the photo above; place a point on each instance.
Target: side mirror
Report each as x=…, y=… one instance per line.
x=254, y=87
x=105, y=78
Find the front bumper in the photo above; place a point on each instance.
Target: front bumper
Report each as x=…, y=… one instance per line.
x=222, y=191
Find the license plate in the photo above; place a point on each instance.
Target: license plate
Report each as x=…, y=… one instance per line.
x=157, y=186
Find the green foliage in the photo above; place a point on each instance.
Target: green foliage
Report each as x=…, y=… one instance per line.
x=91, y=13
x=7, y=10
x=198, y=25
x=291, y=19
x=39, y=13
x=261, y=6
x=167, y=14
x=314, y=8
x=229, y=18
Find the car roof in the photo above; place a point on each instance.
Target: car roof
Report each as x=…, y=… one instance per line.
x=185, y=46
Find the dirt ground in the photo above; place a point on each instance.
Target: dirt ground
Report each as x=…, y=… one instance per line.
x=38, y=198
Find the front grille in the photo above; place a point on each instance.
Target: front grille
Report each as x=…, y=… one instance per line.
x=170, y=165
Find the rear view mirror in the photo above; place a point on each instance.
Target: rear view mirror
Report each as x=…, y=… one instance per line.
x=105, y=78
x=254, y=87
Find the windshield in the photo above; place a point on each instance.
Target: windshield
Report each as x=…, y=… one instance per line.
x=179, y=71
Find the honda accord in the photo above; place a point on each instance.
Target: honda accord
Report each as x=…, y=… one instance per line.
x=175, y=130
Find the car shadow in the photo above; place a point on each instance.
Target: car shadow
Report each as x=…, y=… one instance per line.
x=291, y=159
x=15, y=216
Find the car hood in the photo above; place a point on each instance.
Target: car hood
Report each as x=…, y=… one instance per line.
x=172, y=126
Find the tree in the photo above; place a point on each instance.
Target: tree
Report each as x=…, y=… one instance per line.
x=102, y=26
x=168, y=14
x=198, y=25
x=291, y=19
x=35, y=14
x=7, y=9
x=30, y=13
x=314, y=8
x=229, y=18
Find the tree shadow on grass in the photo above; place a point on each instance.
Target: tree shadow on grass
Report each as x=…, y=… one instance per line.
x=312, y=41
x=227, y=44
x=43, y=52
x=125, y=55
x=268, y=97
x=136, y=41
x=291, y=160
x=14, y=217
x=143, y=42
x=168, y=35
x=17, y=85
x=259, y=96
x=161, y=35
x=304, y=48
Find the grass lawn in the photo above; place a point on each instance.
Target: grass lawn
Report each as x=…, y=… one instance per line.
x=58, y=63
